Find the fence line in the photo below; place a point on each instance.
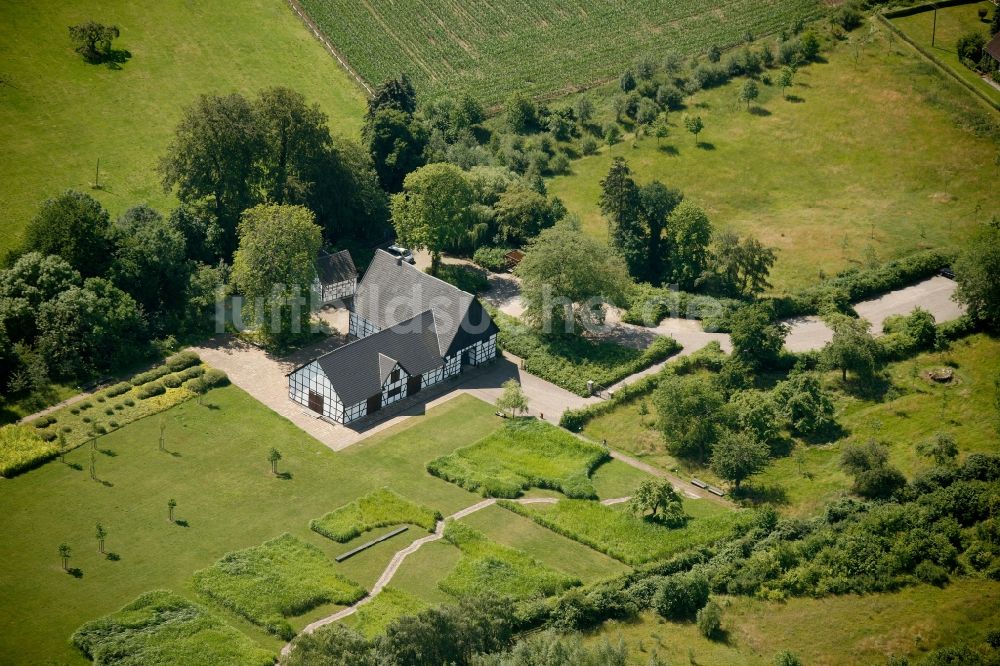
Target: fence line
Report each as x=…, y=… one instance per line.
x=297, y=8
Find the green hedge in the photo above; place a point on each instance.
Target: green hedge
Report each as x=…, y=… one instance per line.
x=647, y=304
x=149, y=390
x=466, y=278
x=853, y=285
x=709, y=357
x=22, y=448
x=491, y=258
x=569, y=361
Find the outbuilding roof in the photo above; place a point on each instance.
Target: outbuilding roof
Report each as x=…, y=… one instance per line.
x=993, y=48
x=336, y=267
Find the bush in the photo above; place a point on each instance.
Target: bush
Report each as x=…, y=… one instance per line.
x=118, y=389
x=129, y=402
x=931, y=573
x=49, y=436
x=149, y=390
x=22, y=448
x=172, y=381
x=149, y=376
x=588, y=146
x=191, y=373
x=786, y=658
x=970, y=46
x=847, y=17
x=491, y=258
x=681, y=596
x=100, y=429
x=182, y=360
x=101, y=398
x=709, y=620
x=466, y=278
x=109, y=411
x=215, y=378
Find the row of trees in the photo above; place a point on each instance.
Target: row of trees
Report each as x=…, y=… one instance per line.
x=664, y=238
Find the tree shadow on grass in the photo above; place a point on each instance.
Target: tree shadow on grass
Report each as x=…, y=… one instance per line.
x=180, y=522
x=669, y=150
x=77, y=466
x=759, y=111
x=760, y=494
x=828, y=435
x=284, y=476
x=117, y=57
x=794, y=99
x=75, y=572
x=705, y=145
x=108, y=452
x=212, y=406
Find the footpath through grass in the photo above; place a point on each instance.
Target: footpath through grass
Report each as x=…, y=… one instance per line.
x=216, y=468
x=59, y=115
x=829, y=173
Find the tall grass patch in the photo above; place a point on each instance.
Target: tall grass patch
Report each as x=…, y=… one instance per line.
x=622, y=535
x=22, y=448
x=160, y=628
x=280, y=578
x=380, y=508
x=487, y=567
x=374, y=617
x=524, y=453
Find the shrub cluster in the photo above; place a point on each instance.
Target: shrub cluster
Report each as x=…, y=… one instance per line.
x=466, y=278
x=215, y=378
x=150, y=375
x=121, y=388
x=491, y=258
x=647, y=303
x=149, y=390
x=182, y=360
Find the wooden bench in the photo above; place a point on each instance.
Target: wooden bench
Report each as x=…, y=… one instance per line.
x=699, y=483
x=716, y=491
x=369, y=544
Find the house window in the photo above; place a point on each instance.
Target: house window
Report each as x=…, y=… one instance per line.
x=394, y=377
x=394, y=392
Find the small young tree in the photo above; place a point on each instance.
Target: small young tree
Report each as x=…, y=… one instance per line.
x=749, y=92
x=874, y=477
x=852, y=348
x=100, y=533
x=273, y=457
x=941, y=448
x=512, y=398
x=785, y=79
x=171, y=505
x=709, y=620
x=64, y=553
x=93, y=39
x=737, y=456
x=694, y=125
x=656, y=499
x=661, y=132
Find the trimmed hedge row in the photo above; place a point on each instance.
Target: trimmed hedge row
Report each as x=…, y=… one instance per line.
x=648, y=305
x=709, y=357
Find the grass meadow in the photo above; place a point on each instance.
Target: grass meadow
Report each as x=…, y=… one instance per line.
x=491, y=50
x=389, y=605
x=830, y=171
x=524, y=453
x=487, y=567
x=59, y=115
x=911, y=409
x=381, y=508
x=162, y=628
x=280, y=578
x=833, y=631
x=952, y=23
x=624, y=536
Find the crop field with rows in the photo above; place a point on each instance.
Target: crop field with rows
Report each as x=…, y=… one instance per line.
x=492, y=48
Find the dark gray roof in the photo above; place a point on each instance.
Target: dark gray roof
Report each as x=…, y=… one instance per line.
x=393, y=291
x=336, y=267
x=993, y=48
x=358, y=369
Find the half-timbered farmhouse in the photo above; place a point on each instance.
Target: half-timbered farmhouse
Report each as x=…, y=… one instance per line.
x=409, y=331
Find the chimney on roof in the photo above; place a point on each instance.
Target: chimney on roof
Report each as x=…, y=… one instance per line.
x=399, y=261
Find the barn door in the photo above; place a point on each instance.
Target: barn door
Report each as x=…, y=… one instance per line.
x=374, y=403
x=316, y=402
x=412, y=385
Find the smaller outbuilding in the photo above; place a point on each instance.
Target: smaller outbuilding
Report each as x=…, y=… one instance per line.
x=993, y=48
x=336, y=276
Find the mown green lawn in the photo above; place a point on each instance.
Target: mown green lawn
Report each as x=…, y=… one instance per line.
x=59, y=115
x=831, y=631
x=867, y=147
x=952, y=23
x=216, y=469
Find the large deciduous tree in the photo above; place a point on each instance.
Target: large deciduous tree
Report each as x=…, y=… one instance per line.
x=738, y=456
x=274, y=269
x=93, y=39
x=296, y=143
x=976, y=271
x=32, y=280
x=757, y=338
x=150, y=263
x=434, y=209
x=657, y=202
x=852, y=349
x=690, y=415
x=689, y=233
x=740, y=264
x=656, y=499
x=396, y=142
x=215, y=155
x=74, y=226
x=567, y=277
x=621, y=204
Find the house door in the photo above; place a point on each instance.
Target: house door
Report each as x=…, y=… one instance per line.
x=374, y=403
x=413, y=385
x=316, y=402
